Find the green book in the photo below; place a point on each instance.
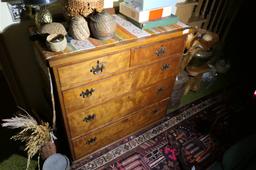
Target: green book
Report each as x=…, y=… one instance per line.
x=157, y=23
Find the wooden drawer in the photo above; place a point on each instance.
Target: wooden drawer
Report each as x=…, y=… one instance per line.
x=98, y=92
x=155, y=72
x=104, y=136
x=101, y=91
x=84, y=72
x=156, y=51
x=81, y=122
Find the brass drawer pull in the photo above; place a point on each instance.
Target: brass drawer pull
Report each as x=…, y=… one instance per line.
x=155, y=111
x=91, y=141
x=160, y=51
x=98, y=68
x=89, y=118
x=165, y=67
x=87, y=93
x=160, y=90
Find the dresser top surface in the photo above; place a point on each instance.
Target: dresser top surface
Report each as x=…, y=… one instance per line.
x=125, y=32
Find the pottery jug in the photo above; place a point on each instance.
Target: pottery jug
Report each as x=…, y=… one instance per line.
x=102, y=25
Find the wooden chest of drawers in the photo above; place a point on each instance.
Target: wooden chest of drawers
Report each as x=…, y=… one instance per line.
x=114, y=90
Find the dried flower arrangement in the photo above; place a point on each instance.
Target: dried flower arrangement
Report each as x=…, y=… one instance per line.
x=35, y=135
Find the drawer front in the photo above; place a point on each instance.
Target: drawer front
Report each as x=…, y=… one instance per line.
x=81, y=122
x=93, y=94
x=157, y=51
x=155, y=72
x=104, y=136
x=87, y=71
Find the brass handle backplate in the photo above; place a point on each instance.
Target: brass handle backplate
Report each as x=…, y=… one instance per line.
x=165, y=67
x=87, y=93
x=91, y=141
x=159, y=90
x=160, y=51
x=89, y=118
x=98, y=68
x=155, y=111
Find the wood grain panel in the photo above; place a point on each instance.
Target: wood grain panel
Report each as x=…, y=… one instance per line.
x=104, y=136
x=156, y=51
x=81, y=122
x=100, y=91
x=57, y=59
x=155, y=72
x=81, y=73
x=117, y=85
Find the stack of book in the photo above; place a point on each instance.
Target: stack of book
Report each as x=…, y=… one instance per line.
x=149, y=13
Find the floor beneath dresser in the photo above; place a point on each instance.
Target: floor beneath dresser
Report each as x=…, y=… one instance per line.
x=194, y=135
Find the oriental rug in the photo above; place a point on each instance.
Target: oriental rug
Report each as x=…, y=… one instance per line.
x=183, y=140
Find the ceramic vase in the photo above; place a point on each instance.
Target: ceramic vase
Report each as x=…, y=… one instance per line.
x=102, y=25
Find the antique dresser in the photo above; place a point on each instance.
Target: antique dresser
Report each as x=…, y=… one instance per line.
x=114, y=88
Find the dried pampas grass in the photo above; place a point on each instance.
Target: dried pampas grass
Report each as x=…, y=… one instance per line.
x=33, y=134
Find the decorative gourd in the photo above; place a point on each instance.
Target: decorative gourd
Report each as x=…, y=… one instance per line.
x=43, y=17
x=102, y=25
x=53, y=28
x=79, y=28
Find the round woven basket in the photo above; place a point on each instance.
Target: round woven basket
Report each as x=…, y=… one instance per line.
x=83, y=7
x=56, y=46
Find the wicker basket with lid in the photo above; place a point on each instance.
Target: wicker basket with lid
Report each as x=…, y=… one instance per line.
x=83, y=7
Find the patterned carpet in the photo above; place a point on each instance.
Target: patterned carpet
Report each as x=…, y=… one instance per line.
x=183, y=140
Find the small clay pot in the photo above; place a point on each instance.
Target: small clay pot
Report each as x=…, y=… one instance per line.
x=56, y=42
x=102, y=25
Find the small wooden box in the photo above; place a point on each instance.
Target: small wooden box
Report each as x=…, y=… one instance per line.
x=144, y=16
x=185, y=10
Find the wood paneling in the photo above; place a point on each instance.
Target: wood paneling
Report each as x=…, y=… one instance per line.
x=157, y=51
x=98, y=92
x=84, y=72
x=156, y=72
x=128, y=125
x=115, y=86
x=81, y=122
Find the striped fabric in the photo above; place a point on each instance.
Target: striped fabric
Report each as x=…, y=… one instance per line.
x=125, y=31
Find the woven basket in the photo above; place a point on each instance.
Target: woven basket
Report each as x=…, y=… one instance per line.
x=83, y=7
